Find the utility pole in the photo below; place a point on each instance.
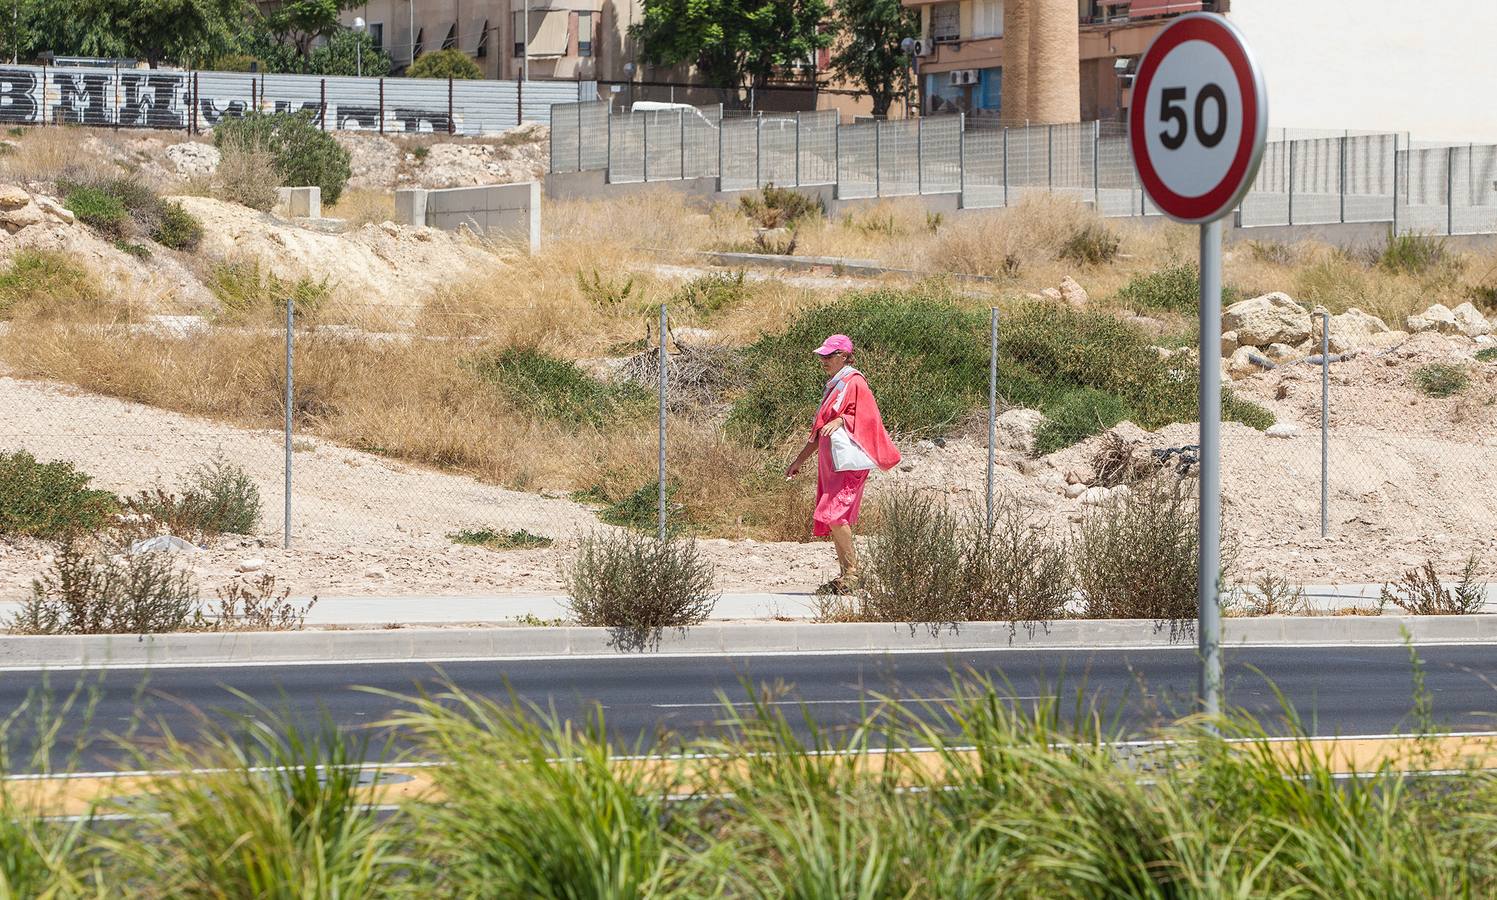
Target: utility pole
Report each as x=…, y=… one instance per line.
x=525, y=59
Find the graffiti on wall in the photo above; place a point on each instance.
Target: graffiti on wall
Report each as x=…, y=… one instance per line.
x=178, y=100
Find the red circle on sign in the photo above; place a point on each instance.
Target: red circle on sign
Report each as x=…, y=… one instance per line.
x=1215, y=202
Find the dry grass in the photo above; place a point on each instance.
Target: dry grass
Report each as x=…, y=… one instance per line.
x=362, y=206
x=43, y=155
x=660, y=219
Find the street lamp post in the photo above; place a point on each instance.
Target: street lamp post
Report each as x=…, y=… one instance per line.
x=358, y=47
x=908, y=46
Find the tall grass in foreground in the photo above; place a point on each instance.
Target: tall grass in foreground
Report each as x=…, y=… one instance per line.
x=973, y=795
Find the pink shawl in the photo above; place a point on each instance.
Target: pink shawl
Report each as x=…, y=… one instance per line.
x=848, y=395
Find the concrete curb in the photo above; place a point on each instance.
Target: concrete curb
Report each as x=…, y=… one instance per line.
x=245, y=648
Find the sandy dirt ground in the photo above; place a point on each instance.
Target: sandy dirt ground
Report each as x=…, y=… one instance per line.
x=365, y=525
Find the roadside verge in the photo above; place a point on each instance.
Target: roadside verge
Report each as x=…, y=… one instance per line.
x=715, y=638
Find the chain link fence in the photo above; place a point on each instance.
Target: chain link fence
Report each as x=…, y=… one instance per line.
x=1306, y=177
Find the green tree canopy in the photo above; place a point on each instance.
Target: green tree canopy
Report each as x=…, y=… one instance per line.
x=868, y=51
x=450, y=63
x=301, y=22
x=185, y=32
x=732, y=42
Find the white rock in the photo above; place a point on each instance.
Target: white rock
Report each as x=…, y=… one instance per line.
x=1277, y=352
x=1094, y=496
x=162, y=543
x=1437, y=318
x=1017, y=427
x=694, y=335
x=12, y=197
x=1051, y=294
x=13, y=220
x=56, y=210
x=251, y=564
x=1352, y=330
x=1052, y=481
x=1241, y=362
x=1283, y=430
x=1229, y=343
x=191, y=158
x=1076, y=490
x=1270, y=319
x=1470, y=320
x=1073, y=293
x=1080, y=475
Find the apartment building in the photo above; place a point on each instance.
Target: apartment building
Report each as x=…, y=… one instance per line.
x=961, y=51
x=578, y=40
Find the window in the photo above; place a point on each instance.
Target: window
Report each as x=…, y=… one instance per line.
x=483, y=41
x=946, y=22
x=584, y=33
x=520, y=30
x=417, y=47
x=451, y=40
x=377, y=35
x=987, y=18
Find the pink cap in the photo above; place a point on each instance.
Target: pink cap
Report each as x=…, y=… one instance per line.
x=837, y=343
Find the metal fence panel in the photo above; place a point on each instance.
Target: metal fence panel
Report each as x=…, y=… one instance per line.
x=857, y=168
x=940, y=155
x=626, y=149
x=818, y=147
x=982, y=179
x=777, y=136
x=740, y=154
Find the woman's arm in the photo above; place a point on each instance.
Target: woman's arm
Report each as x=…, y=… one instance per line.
x=800, y=459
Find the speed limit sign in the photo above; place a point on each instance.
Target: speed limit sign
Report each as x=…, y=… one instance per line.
x=1196, y=128
x=1199, y=119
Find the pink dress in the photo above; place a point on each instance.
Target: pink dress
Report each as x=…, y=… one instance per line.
x=839, y=495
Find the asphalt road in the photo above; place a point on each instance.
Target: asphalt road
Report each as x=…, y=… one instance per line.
x=1336, y=691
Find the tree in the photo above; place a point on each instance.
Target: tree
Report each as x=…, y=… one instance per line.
x=179, y=31
x=341, y=55
x=869, y=54
x=451, y=63
x=732, y=41
x=302, y=22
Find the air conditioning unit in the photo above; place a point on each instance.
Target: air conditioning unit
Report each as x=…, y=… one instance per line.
x=924, y=47
x=961, y=77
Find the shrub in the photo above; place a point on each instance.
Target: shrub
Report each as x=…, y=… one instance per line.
x=247, y=175
x=926, y=564
x=1135, y=554
x=500, y=540
x=1441, y=379
x=1412, y=254
x=220, y=498
x=1091, y=245
x=450, y=63
x=1487, y=355
x=177, y=228
x=711, y=293
x=1076, y=415
x=139, y=251
x=46, y=282
x=623, y=579
x=556, y=389
x=1275, y=253
x=776, y=207
x=87, y=592
x=302, y=154
x=244, y=290
x=49, y=500
x=1175, y=288
x=1420, y=593
x=98, y=209
x=640, y=509
x=1273, y=595
x=607, y=293
x=255, y=605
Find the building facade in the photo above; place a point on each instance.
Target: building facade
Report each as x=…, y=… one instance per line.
x=579, y=40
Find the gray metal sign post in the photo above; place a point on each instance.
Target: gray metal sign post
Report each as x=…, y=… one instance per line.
x=1197, y=128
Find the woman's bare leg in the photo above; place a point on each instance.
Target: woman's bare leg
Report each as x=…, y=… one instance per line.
x=847, y=554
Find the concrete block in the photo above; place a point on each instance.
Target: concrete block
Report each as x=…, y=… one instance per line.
x=410, y=207
x=502, y=211
x=1442, y=628
x=1257, y=630
x=529, y=641
x=1319, y=629
x=304, y=202
x=759, y=637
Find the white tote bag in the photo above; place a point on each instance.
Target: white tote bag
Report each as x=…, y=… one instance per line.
x=847, y=456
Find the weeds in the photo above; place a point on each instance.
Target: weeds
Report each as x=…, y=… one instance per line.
x=246, y=175
x=608, y=293
x=245, y=290
x=255, y=605
x=302, y=153
x=500, y=540
x=1488, y=354
x=1274, y=595
x=1421, y=593
x=779, y=207
x=49, y=500
x=97, y=209
x=1175, y=288
x=48, y=284
x=626, y=580
x=219, y=498
x=711, y=293
x=177, y=228
x=1276, y=253
x=87, y=592
x=556, y=389
x=1093, y=244
x=928, y=565
x=1441, y=379
x=1413, y=254
x=124, y=208
x=1135, y=554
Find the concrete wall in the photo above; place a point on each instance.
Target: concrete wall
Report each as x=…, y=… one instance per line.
x=505, y=211
x=1377, y=65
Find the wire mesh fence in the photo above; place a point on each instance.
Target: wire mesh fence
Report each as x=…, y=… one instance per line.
x=1306, y=177
x=413, y=430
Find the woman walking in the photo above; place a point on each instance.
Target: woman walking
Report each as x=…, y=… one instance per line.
x=849, y=440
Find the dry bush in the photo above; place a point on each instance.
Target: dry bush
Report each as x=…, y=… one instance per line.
x=247, y=175
x=1271, y=595
x=361, y=206
x=45, y=155
x=89, y=592
x=254, y=604
x=661, y=219
x=626, y=580
x=892, y=232
x=1421, y=593
x=1336, y=279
